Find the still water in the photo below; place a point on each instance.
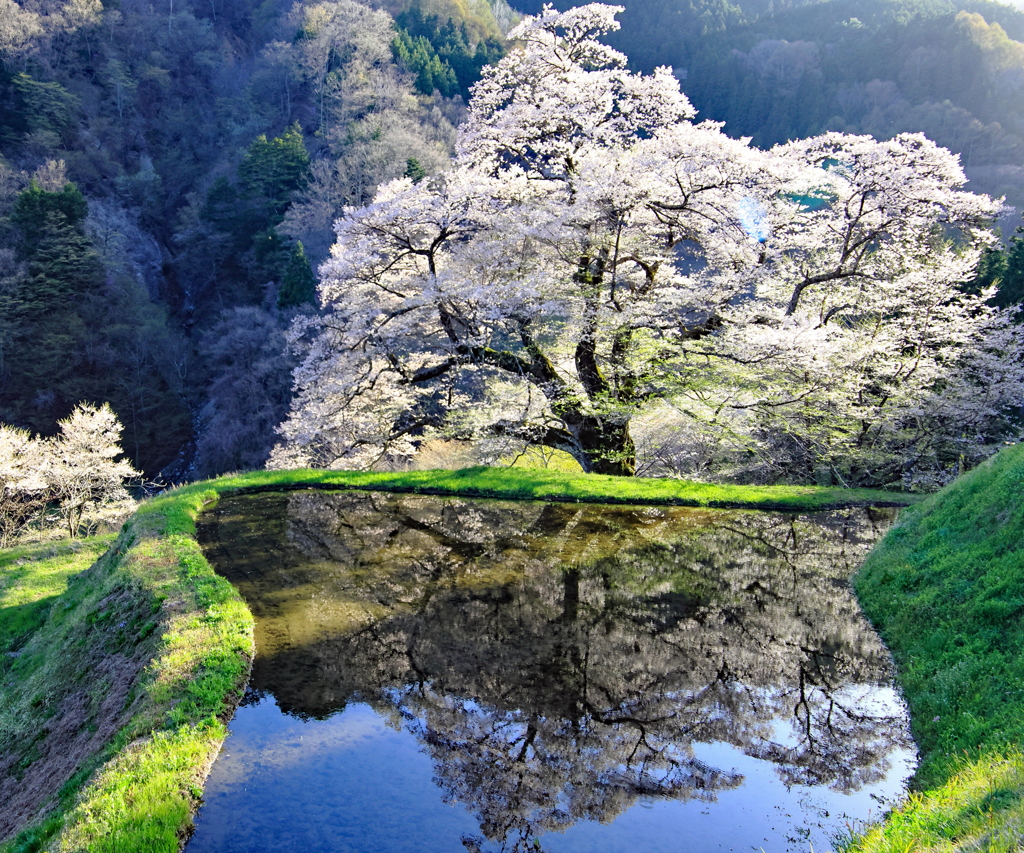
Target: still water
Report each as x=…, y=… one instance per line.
x=449, y=675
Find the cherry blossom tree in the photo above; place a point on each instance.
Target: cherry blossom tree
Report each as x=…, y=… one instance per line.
x=860, y=358
x=23, y=489
x=76, y=469
x=80, y=465
x=593, y=250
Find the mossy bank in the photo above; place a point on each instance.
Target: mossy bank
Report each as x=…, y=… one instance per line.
x=119, y=678
x=946, y=590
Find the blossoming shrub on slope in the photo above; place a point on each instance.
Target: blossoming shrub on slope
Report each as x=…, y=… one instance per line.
x=77, y=470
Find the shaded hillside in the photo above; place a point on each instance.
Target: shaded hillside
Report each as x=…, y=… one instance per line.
x=778, y=71
x=168, y=181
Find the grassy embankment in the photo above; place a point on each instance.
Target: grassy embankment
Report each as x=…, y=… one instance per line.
x=946, y=590
x=146, y=651
x=149, y=626
x=540, y=484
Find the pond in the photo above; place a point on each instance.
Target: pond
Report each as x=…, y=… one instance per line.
x=440, y=674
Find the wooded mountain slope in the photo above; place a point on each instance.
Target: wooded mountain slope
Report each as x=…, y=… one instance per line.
x=951, y=69
x=169, y=174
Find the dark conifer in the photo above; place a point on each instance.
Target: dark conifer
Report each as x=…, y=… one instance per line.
x=298, y=284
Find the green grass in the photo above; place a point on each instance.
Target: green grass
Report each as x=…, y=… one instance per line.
x=153, y=598
x=542, y=484
x=946, y=590
x=978, y=808
x=32, y=577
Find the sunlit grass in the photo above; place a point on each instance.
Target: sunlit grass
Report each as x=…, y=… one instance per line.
x=137, y=803
x=946, y=590
x=979, y=808
x=153, y=595
x=544, y=458
x=547, y=484
x=140, y=792
x=33, y=576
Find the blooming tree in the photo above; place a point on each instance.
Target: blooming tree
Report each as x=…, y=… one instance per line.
x=80, y=464
x=23, y=489
x=859, y=358
x=593, y=250
x=76, y=469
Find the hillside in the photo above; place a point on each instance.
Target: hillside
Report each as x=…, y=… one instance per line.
x=169, y=176
x=946, y=591
x=778, y=71
x=168, y=182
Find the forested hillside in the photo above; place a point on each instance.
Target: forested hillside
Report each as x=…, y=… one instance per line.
x=169, y=175
x=775, y=71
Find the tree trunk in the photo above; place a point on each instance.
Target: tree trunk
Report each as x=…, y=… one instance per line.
x=606, y=446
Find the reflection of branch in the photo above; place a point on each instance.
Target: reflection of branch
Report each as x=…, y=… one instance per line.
x=531, y=733
x=640, y=724
x=563, y=693
x=789, y=556
x=803, y=701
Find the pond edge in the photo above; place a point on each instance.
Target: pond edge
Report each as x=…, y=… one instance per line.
x=148, y=784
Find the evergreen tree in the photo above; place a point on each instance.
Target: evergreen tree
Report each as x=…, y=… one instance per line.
x=37, y=211
x=1011, y=287
x=441, y=53
x=273, y=170
x=71, y=330
x=1003, y=268
x=414, y=170
x=44, y=334
x=47, y=110
x=234, y=248
x=298, y=284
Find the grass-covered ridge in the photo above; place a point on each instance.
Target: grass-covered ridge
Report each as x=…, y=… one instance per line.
x=119, y=686
x=177, y=641
x=546, y=485
x=946, y=590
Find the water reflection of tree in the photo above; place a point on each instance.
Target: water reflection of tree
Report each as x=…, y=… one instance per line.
x=559, y=662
